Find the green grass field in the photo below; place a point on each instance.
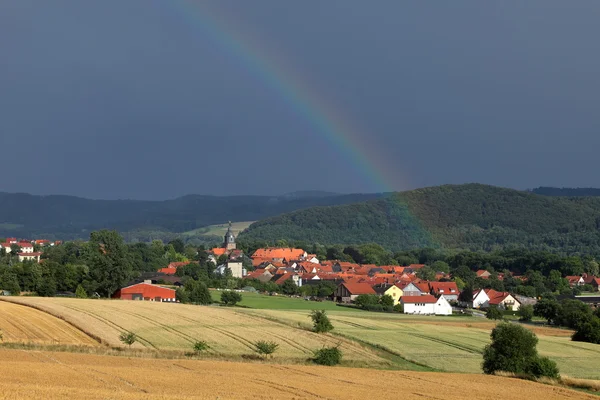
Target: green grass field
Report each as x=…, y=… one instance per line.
x=261, y=301
x=218, y=230
x=452, y=344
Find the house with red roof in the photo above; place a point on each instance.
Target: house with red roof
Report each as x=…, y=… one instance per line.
x=502, y=300
x=575, y=280
x=145, y=291
x=347, y=292
x=33, y=256
x=483, y=274
x=480, y=299
x=596, y=284
x=447, y=289
x=426, y=305
x=416, y=288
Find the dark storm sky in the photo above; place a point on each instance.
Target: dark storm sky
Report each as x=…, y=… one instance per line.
x=131, y=99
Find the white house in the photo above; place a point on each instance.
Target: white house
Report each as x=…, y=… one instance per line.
x=480, y=299
x=6, y=247
x=26, y=247
x=29, y=256
x=426, y=304
x=413, y=290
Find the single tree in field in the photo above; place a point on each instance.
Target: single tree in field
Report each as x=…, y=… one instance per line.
x=128, y=338
x=230, y=298
x=200, y=346
x=321, y=322
x=513, y=349
x=265, y=348
x=110, y=265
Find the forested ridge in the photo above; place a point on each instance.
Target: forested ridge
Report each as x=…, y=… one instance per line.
x=67, y=217
x=471, y=216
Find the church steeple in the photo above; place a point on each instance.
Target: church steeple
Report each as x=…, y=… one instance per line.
x=229, y=242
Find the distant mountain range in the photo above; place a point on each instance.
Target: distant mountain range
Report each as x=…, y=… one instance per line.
x=566, y=192
x=471, y=216
x=68, y=217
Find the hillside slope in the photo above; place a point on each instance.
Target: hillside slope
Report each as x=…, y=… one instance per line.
x=470, y=216
x=68, y=217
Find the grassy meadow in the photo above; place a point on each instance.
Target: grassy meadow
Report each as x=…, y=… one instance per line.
x=452, y=344
x=261, y=301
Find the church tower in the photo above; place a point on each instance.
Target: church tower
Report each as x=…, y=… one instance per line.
x=229, y=242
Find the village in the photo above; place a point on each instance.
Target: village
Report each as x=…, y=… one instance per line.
x=410, y=294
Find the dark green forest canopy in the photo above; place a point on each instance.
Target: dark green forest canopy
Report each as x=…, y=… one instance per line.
x=472, y=216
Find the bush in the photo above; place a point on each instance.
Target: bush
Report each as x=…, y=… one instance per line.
x=128, y=338
x=321, y=322
x=80, y=292
x=513, y=349
x=543, y=366
x=200, y=346
x=265, y=348
x=588, y=332
x=328, y=356
x=494, y=313
x=387, y=301
x=525, y=313
x=230, y=298
x=399, y=308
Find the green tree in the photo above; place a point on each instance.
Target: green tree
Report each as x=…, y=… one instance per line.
x=80, y=292
x=110, y=266
x=128, y=338
x=426, y=273
x=494, y=313
x=588, y=331
x=548, y=309
x=440, y=266
x=386, y=300
x=366, y=300
x=329, y=356
x=525, y=313
x=230, y=298
x=513, y=349
x=289, y=287
x=198, y=292
x=573, y=313
x=265, y=348
x=10, y=282
x=178, y=245
x=321, y=322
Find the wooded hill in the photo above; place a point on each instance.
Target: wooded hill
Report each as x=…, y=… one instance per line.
x=68, y=217
x=472, y=216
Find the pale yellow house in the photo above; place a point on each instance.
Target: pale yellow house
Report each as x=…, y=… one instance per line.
x=388, y=289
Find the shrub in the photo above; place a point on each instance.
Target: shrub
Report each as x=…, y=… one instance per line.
x=399, y=308
x=543, y=366
x=513, y=349
x=80, y=292
x=494, y=313
x=321, y=322
x=200, y=346
x=588, y=332
x=328, y=356
x=386, y=301
x=230, y=298
x=128, y=338
x=525, y=313
x=265, y=348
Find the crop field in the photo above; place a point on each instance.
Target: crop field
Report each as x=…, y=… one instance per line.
x=20, y=324
x=51, y=375
x=177, y=326
x=453, y=344
x=261, y=301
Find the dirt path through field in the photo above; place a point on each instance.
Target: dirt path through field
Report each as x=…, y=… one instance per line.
x=49, y=375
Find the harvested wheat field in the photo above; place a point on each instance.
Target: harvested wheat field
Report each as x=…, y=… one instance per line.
x=21, y=324
x=49, y=375
x=451, y=344
x=172, y=326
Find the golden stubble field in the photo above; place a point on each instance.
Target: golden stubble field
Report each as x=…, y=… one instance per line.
x=167, y=326
x=21, y=324
x=51, y=375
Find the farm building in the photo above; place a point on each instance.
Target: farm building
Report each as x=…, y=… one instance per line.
x=426, y=304
x=145, y=291
x=347, y=292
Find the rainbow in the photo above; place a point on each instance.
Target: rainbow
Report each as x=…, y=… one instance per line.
x=251, y=54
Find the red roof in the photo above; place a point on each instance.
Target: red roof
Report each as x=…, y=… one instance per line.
x=146, y=290
x=495, y=296
x=218, y=251
x=444, y=288
x=416, y=266
x=273, y=252
x=359, y=288
x=168, y=270
x=419, y=299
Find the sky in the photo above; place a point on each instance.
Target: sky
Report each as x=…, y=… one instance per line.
x=154, y=99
